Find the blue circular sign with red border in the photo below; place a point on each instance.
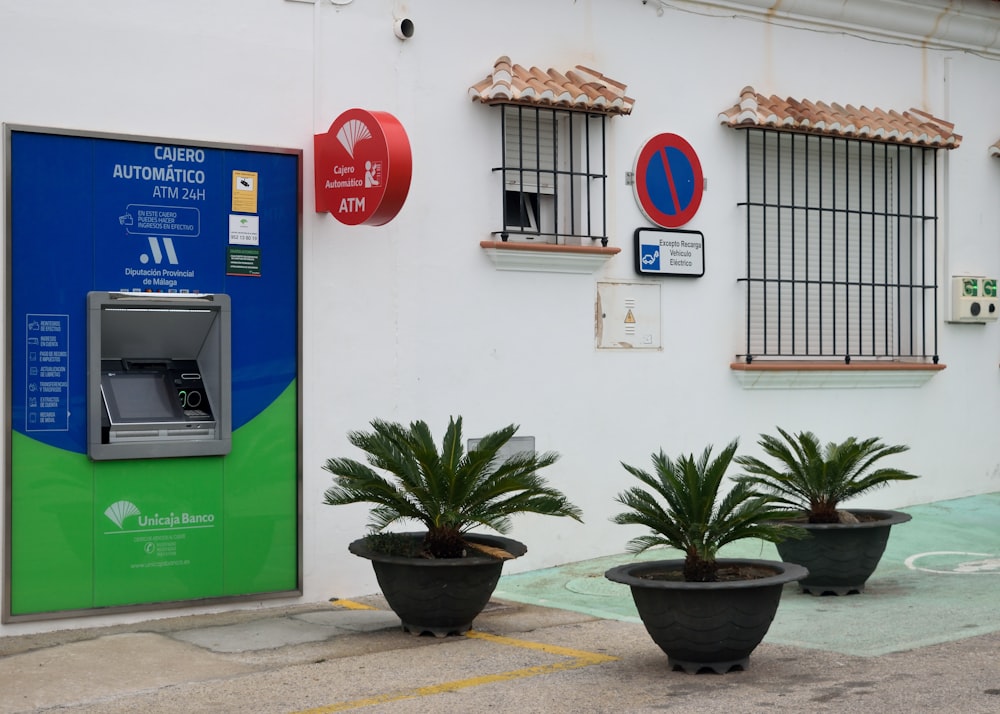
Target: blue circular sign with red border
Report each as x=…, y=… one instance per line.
x=668, y=180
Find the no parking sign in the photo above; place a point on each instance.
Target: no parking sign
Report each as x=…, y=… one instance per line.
x=668, y=180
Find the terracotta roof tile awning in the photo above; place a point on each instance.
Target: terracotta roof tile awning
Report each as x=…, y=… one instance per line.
x=579, y=88
x=910, y=127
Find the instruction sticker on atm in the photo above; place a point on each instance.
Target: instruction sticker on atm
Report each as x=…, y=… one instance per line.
x=245, y=191
x=147, y=220
x=47, y=381
x=243, y=261
x=244, y=230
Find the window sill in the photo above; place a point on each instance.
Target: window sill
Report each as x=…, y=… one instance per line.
x=833, y=375
x=547, y=257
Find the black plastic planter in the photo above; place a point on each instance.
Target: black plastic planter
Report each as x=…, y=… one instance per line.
x=841, y=556
x=712, y=626
x=439, y=596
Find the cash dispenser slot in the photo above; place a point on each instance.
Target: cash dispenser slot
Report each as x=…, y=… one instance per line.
x=159, y=375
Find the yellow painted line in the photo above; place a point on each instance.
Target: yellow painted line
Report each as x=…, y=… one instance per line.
x=577, y=659
x=548, y=649
x=351, y=605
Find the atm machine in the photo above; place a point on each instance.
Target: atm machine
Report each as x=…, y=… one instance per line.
x=159, y=375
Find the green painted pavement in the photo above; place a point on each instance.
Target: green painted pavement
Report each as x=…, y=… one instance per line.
x=939, y=580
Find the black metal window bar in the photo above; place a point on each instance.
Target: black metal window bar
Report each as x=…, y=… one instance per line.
x=841, y=248
x=553, y=174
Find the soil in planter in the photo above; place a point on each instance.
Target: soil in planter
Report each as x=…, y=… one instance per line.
x=850, y=518
x=727, y=573
x=406, y=546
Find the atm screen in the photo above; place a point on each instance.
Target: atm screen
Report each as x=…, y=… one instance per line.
x=140, y=397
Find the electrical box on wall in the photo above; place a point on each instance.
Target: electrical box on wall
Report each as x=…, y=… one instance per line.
x=974, y=299
x=628, y=316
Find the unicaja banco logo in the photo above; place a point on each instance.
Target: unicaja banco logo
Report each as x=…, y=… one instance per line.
x=351, y=133
x=120, y=510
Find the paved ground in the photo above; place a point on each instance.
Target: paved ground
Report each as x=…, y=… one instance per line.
x=521, y=658
x=887, y=650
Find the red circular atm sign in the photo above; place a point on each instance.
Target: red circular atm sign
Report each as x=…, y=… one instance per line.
x=363, y=168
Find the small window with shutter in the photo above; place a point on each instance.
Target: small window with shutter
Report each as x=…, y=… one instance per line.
x=553, y=175
x=551, y=172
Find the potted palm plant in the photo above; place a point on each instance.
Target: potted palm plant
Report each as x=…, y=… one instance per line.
x=439, y=579
x=702, y=611
x=810, y=481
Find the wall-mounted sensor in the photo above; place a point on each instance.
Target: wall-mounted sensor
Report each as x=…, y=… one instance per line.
x=403, y=28
x=974, y=299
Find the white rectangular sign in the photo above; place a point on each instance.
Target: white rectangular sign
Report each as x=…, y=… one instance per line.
x=244, y=230
x=665, y=251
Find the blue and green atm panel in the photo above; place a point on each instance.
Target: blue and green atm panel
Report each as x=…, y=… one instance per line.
x=152, y=378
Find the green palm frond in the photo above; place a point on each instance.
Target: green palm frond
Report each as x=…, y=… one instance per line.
x=681, y=506
x=449, y=491
x=814, y=478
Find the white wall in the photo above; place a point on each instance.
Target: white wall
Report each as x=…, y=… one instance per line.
x=411, y=320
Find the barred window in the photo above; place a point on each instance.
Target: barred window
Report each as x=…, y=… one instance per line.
x=841, y=248
x=553, y=175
